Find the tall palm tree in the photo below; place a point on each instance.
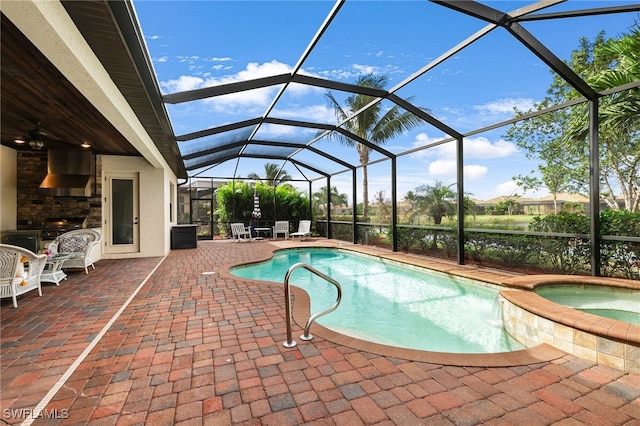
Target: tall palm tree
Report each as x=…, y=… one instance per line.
x=374, y=125
x=272, y=174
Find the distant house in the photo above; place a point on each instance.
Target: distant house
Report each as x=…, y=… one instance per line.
x=541, y=206
x=563, y=202
x=484, y=206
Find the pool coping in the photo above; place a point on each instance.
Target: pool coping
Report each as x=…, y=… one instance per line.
x=301, y=310
x=565, y=315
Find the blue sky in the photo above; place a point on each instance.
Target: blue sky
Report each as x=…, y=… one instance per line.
x=195, y=44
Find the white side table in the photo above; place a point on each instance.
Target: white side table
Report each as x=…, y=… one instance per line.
x=262, y=233
x=52, y=269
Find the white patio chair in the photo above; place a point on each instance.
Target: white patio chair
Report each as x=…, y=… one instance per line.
x=281, y=227
x=77, y=244
x=240, y=233
x=15, y=278
x=304, y=230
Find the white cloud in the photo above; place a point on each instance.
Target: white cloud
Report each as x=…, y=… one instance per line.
x=481, y=114
x=275, y=130
x=259, y=98
x=364, y=69
x=510, y=188
x=220, y=67
x=422, y=139
x=507, y=188
x=182, y=83
x=442, y=168
x=256, y=70
x=483, y=148
x=474, y=148
x=354, y=71
x=339, y=74
x=251, y=101
x=445, y=170
x=504, y=106
x=296, y=90
x=314, y=113
x=474, y=171
x=188, y=59
x=252, y=71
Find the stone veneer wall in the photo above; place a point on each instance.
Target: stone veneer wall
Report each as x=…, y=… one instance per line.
x=35, y=204
x=531, y=330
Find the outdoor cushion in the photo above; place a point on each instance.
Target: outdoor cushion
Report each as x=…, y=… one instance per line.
x=77, y=244
x=72, y=244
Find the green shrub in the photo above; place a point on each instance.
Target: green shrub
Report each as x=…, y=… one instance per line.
x=568, y=255
x=408, y=237
x=514, y=250
x=620, y=258
x=284, y=202
x=449, y=242
x=476, y=244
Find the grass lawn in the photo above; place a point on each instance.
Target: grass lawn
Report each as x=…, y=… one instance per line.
x=511, y=222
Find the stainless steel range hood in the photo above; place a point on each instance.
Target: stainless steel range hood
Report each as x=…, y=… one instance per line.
x=68, y=173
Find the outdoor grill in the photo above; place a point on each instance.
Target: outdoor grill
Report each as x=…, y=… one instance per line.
x=54, y=226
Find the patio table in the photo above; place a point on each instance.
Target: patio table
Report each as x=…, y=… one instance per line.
x=53, y=272
x=262, y=233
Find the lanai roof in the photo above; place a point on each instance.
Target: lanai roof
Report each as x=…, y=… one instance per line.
x=119, y=43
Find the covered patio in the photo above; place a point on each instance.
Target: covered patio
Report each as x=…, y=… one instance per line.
x=178, y=340
x=160, y=336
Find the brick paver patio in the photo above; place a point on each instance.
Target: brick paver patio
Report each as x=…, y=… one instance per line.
x=193, y=345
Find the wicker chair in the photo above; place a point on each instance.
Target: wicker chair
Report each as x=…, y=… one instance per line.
x=77, y=244
x=20, y=271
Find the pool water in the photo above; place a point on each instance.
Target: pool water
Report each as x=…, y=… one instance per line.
x=393, y=304
x=619, y=304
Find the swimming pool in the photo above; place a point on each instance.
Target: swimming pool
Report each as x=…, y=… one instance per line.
x=618, y=304
x=392, y=303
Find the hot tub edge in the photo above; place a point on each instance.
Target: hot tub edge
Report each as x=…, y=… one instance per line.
x=534, y=320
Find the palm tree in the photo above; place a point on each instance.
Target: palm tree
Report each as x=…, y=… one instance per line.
x=619, y=116
x=435, y=201
x=374, y=125
x=336, y=199
x=509, y=205
x=272, y=174
x=439, y=200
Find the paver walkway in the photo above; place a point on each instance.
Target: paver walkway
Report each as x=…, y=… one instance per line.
x=195, y=346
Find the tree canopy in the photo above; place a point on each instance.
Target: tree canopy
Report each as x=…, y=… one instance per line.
x=375, y=125
x=235, y=202
x=436, y=201
x=336, y=199
x=560, y=139
x=273, y=175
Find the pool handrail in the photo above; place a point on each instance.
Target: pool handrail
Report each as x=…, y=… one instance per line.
x=290, y=343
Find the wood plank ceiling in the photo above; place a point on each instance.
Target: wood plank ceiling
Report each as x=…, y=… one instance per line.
x=34, y=91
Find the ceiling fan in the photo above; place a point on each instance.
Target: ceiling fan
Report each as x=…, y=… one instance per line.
x=35, y=139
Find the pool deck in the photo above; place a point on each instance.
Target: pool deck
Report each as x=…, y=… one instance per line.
x=180, y=341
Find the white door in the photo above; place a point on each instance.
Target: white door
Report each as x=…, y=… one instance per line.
x=121, y=225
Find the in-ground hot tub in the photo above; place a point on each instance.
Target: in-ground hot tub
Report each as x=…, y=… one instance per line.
x=533, y=319
x=617, y=303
